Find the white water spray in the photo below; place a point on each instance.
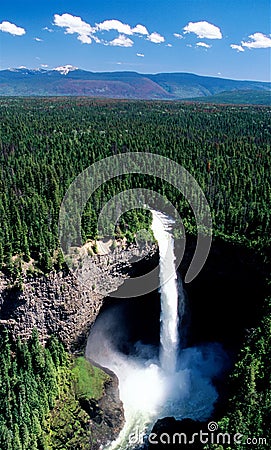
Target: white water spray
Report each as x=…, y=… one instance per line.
x=152, y=388
x=169, y=335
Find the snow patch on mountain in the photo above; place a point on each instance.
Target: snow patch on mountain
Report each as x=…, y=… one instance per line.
x=64, y=70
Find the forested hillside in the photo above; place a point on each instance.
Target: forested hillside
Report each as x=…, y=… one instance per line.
x=248, y=97
x=71, y=81
x=48, y=397
x=32, y=379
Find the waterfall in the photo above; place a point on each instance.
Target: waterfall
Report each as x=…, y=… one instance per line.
x=152, y=388
x=169, y=336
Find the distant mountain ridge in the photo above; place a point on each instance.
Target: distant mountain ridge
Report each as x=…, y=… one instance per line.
x=72, y=81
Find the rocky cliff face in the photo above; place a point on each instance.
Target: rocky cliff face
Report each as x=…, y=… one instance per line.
x=59, y=304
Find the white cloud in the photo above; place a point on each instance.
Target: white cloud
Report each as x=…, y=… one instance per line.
x=96, y=39
x=48, y=29
x=108, y=25
x=75, y=25
x=168, y=45
x=121, y=41
x=140, y=54
x=86, y=33
x=38, y=39
x=238, y=48
x=156, y=38
x=259, y=40
x=44, y=66
x=11, y=28
x=122, y=28
x=203, y=30
x=178, y=36
x=140, y=29
x=126, y=30
x=84, y=39
x=202, y=44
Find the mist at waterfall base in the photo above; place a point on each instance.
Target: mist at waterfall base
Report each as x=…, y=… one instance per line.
x=157, y=381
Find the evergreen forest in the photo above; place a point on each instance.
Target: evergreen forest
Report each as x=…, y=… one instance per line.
x=45, y=143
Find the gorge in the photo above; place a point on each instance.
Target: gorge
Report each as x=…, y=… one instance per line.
x=231, y=280
x=170, y=379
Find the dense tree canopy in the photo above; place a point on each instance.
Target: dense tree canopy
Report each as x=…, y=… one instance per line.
x=46, y=143
x=30, y=378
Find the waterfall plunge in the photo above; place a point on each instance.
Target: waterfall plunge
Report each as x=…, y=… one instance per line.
x=151, y=388
x=169, y=336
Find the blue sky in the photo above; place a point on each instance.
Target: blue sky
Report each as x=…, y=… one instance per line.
x=223, y=38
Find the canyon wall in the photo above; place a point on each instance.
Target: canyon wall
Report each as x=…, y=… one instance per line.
x=57, y=303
